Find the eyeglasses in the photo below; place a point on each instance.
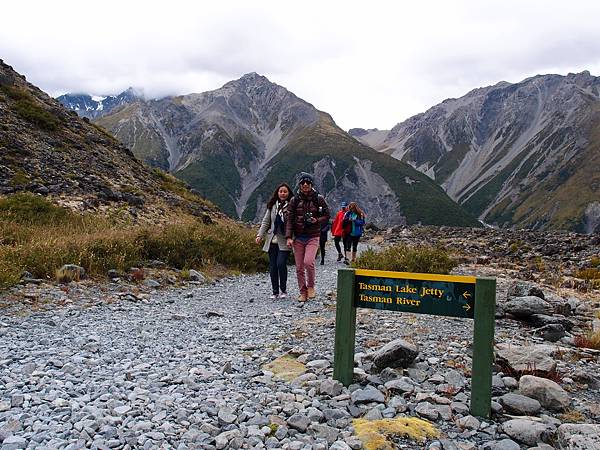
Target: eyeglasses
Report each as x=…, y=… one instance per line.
x=305, y=182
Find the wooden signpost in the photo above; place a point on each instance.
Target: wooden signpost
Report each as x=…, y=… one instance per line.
x=443, y=295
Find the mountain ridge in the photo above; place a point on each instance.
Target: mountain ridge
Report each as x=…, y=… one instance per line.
x=498, y=148
x=248, y=131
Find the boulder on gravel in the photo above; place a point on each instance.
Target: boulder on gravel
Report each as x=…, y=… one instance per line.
x=520, y=404
x=398, y=353
x=527, y=358
x=547, y=392
x=523, y=307
x=527, y=431
x=581, y=436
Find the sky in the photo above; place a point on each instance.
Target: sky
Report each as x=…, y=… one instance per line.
x=368, y=64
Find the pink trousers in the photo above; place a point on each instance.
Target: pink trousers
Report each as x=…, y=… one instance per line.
x=304, y=254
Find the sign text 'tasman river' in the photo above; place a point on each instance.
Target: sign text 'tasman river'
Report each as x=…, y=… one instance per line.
x=441, y=295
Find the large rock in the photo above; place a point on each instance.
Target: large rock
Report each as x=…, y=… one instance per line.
x=527, y=358
x=526, y=431
x=523, y=307
x=504, y=444
x=551, y=332
x=398, y=353
x=582, y=436
x=547, y=392
x=367, y=395
x=520, y=404
x=539, y=320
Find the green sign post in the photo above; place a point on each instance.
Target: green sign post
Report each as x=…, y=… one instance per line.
x=443, y=295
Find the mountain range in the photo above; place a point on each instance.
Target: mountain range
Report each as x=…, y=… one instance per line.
x=521, y=154
x=233, y=145
x=94, y=106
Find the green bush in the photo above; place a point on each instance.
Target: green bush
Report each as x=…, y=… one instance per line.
x=402, y=258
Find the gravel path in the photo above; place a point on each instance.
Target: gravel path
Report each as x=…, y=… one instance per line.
x=182, y=368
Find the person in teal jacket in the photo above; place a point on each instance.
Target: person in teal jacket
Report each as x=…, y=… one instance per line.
x=354, y=217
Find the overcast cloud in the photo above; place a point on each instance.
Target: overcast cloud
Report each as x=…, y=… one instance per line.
x=368, y=64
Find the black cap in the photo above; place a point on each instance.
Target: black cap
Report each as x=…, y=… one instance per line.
x=306, y=177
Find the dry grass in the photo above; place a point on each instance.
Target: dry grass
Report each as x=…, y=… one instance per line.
x=572, y=416
x=40, y=238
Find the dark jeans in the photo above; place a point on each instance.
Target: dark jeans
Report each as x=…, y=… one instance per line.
x=322, y=242
x=336, y=241
x=278, y=268
x=351, y=242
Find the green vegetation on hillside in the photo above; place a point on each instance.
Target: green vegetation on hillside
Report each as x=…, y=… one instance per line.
x=216, y=178
x=29, y=109
x=39, y=237
x=559, y=198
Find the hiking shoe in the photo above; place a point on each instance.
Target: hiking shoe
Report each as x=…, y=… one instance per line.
x=311, y=293
x=283, y=295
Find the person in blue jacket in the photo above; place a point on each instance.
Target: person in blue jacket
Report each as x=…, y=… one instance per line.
x=355, y=219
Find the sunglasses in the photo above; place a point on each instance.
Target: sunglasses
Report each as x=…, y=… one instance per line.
x=305, y=182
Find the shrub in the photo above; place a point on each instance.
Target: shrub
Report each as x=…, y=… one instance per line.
x=402, y=258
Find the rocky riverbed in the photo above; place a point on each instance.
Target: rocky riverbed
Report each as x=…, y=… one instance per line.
x=220, y=365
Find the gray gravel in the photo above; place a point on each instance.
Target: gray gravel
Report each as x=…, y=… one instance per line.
x=112, y=367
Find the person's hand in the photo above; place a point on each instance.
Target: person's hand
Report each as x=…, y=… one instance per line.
x=258, y=239
x=290, y=242
x=313, y=220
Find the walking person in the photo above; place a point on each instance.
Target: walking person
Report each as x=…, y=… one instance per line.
x=355, y=219
x=323, y=239
x=337, y=229
x=307, y=211
x=273, y=227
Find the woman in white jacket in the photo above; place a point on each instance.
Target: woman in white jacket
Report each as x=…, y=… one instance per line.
x=273, y=227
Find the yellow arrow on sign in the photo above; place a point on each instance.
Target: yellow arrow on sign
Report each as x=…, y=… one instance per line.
x=466, y=294
x=467, y=307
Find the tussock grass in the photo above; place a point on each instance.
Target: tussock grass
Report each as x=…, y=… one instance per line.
x=39, y=237
x=589, y=340
x=380, y=434
x=403, y=258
